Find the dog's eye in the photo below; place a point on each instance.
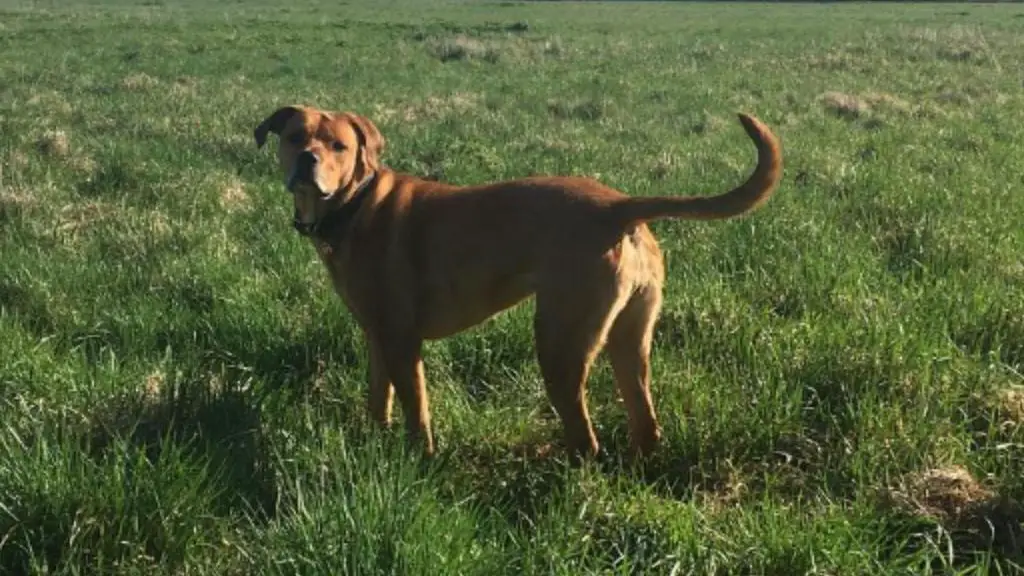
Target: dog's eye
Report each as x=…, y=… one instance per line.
x=296, y=138
x=337, y=146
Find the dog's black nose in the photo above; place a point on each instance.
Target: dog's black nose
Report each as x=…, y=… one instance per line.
x=303, y=228
x=305, y=163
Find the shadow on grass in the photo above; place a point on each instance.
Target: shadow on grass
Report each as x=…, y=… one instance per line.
x=520, y=482
x=218, y=428
x=28, y=307
x=996, y=330
x=133, y=478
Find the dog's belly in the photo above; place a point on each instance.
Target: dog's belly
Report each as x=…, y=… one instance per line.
x=450, y=309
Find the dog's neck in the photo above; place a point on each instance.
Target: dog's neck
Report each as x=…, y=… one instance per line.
x=327, y=228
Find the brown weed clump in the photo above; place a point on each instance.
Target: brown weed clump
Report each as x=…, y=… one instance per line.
x=54, y=143
x=975, y=516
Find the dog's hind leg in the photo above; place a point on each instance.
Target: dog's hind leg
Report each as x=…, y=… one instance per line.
x=629, y=349
x=574, y=312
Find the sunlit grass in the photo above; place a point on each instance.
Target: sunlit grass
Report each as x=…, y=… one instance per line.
x=838, y=375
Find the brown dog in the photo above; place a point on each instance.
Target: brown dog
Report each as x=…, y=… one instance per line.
x=415, y=260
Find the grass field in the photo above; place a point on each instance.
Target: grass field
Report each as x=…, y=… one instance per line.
x=839, y=375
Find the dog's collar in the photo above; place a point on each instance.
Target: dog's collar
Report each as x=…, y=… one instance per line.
x=324, y=228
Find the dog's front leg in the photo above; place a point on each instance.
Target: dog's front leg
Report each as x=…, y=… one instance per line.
x=381, y=390
x=405, y=367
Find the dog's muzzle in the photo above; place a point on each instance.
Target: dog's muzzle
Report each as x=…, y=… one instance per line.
x=305, y=166
x=304, y=228
x=303, y=171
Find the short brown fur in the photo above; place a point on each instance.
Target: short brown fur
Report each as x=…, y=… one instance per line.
x=422, y=260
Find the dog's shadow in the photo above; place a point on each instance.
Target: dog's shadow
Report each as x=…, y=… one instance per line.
x=520, y=482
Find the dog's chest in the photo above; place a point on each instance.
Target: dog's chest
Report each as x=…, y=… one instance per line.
x=336, y=261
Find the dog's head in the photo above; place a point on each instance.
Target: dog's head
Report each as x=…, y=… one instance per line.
x=324, y=157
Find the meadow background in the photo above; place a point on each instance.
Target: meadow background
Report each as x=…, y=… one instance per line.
x=839, y=375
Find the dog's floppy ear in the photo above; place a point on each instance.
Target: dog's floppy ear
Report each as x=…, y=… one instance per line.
x=371, y=142
x=274, y=123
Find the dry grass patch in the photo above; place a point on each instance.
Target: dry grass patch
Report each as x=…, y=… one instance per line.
x=976, y=517
x=138, y=82
x=495, y=49
x=954, y=97
x=954, y=44
x=82, y=163
x=887, y=101
x=834, y=60
x=1011, y=404
x=233, y=197
x=432, y=108
x=465, y=48
x=159, y=224
x=219, y=244
x=14, y=202
x=553, y=47
x=709, y=123
x=76, y=219
x=664, y=164
x=946, y=494
x=845, y=105
x=185, y=86
x=589, y=110
x=51, y=101
x=15, y=159
x=872, y=107
x=1014, y=270
x=153, y=387
x=54, y=143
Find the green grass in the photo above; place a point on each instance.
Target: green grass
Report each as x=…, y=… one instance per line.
x=839, y=375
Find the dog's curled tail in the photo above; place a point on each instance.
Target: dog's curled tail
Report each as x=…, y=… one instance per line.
x=758, y=188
